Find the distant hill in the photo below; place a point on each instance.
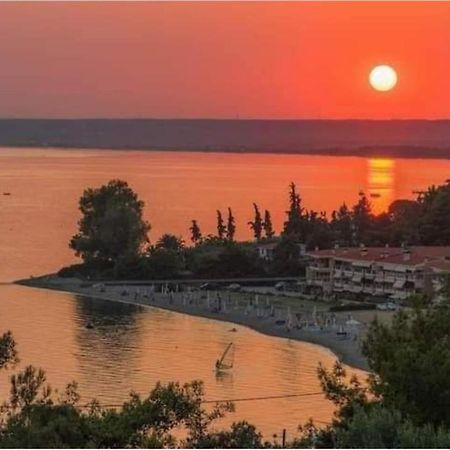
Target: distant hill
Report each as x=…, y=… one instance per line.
x=405, y=138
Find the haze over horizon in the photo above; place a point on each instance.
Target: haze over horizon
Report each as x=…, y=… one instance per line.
x=223, y=61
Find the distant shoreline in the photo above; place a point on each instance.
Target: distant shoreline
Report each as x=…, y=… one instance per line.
x=347, y=351
x=395, y=152
x=363, y=138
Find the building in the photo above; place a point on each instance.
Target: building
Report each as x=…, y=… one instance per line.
x=389, y=272
x=266, y=249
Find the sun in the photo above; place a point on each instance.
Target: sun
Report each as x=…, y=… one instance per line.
x=383, y=78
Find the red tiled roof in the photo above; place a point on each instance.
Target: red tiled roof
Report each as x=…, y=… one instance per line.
x=269, y=245
x=394, y=255
x=439, y=265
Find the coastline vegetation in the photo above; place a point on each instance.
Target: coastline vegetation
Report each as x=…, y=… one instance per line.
x=113, y=237
x=402, y=404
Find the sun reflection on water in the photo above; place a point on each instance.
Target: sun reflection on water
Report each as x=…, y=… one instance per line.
x=380, y=183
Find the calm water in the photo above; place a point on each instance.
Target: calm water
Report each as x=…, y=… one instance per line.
x=131, y=347
x=39, y=217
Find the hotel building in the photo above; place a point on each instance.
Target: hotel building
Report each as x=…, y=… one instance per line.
x=388, y=272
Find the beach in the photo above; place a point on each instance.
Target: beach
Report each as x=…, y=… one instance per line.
x=284, y=316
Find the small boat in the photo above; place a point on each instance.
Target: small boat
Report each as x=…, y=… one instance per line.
x=6, y=193
x=89, y=325
x=226, y=361
x=375, y=195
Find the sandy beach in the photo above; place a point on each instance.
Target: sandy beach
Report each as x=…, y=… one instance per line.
x=273, y=314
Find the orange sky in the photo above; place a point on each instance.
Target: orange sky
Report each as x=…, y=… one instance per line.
x=275, y=60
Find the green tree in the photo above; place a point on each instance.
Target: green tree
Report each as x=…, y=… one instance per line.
x=164, y=263
x=231, y=226
x=384, y=428
x=267, y=225
x=8, y=351
x=171, y=416
x=241, y=435
x=257, y=224
x=221, y=228
x=42, y=421
x=196, y=235
x=411, y=362
x=225, y=261
x=112, y=226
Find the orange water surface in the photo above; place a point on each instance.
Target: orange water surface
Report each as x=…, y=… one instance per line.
x=131, y=347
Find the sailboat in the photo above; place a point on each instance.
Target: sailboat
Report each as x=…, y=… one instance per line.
x=226, y=361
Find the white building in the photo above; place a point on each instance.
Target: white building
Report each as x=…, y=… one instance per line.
x=386, y=272
x=265, y=250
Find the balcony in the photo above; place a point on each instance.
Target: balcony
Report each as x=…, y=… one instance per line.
x=319, y=269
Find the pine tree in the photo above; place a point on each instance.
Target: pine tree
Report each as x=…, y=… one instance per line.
x=362, y=219
x=231, y=226
x=342, y=225
x=295, y=224
x=221, y=228
x=257, y=224
x=196, y=235
x=267, y=225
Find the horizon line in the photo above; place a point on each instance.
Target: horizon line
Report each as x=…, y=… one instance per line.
x=236, y=119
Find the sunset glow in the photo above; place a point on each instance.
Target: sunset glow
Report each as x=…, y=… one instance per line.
x=223, y=60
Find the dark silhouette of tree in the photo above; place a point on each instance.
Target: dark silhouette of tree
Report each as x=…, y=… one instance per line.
x=231, y=226
x=196, y=235
x=318, y=233
x=267, y=225
x=231, y=260
x=404, y=216
x=434, y=223
x=342, y=225
x=8, y=352
x=257, y=224
x=286, y=257
x=221, y=228
x=112, y=226
x=164, y=263
x=362, y=220
x=170, y=242
x=295, y=224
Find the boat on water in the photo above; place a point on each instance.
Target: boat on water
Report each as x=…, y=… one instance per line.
x=226, y=361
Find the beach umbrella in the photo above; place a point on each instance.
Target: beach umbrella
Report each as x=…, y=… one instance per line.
x=353, y=323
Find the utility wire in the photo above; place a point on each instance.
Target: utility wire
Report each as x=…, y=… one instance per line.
x=233, y=400
x=269, y=397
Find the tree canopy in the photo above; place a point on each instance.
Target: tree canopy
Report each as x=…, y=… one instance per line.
x=112, y=226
